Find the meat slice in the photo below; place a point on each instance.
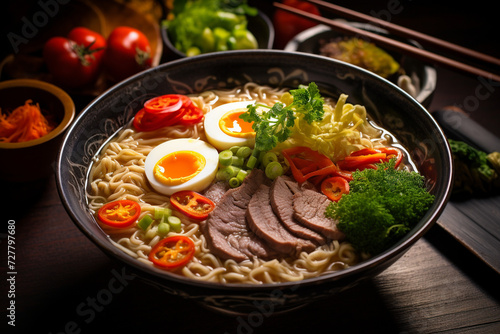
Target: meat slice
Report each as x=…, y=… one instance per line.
x=216, y=191
x=226, y=230
x=264, y=223
x=309, y=209
x=281, y=197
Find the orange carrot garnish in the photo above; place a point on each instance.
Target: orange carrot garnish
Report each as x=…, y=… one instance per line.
x=23, y=124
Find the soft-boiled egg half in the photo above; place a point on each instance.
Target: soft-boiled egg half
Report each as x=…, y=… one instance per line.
x=225, y=129
x=181, y=164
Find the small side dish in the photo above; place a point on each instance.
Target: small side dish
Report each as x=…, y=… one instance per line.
x=24, y=123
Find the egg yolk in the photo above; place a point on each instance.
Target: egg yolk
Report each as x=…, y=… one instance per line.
x=232, y=125
x=178, y=167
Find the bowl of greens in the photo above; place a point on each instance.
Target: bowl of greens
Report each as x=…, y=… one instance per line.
x=196, y=27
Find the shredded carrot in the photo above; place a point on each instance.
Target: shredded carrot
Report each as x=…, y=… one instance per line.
x=23, y=124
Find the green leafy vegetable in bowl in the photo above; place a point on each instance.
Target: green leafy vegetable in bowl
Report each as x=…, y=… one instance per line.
x=202, y=26
x=383, y=205
x=476, y=171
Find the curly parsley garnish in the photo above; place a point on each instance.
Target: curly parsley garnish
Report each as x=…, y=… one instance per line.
x=273, y=126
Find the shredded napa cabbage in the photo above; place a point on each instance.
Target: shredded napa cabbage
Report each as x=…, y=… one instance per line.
x=340, y=132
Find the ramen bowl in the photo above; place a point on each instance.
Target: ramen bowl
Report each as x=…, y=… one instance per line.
x=34, y=159
x=387, y=105
x=414, y=76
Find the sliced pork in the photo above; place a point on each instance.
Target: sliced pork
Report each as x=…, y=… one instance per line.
x=216, y=191
x=281, y=198
x=309, y=209
x=264, y=223
x=226, y=230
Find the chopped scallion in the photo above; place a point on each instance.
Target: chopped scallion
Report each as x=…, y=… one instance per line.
x=145, y=222
x=274, y=169
x=175, y=223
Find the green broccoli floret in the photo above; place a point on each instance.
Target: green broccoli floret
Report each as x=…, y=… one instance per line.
x=474, y=169
x=383, y=204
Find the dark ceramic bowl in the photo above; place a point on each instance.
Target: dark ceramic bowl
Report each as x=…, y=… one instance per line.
x=260, y=26
x=387, y=105
x=423, y=75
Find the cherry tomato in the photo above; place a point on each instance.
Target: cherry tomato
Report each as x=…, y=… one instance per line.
x=128, y=52
x=120, y=214
x=288, y=25
x=192, y=204
x=172, y=252
x=335, y=187
x=75, y=61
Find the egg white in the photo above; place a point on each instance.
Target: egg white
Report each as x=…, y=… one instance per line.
x=216, y=136
x=197, y=183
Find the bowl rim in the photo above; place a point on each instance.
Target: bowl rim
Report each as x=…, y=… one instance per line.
x=66, y=100
x=394, y=252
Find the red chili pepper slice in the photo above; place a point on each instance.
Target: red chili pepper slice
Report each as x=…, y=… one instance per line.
x=334, y=187
x=306, y=163
x=192, y=204
x=192, y=116
x=172, y=252
x=356, y=162
x=120, y=214
x=393, y=152
x=367, y=157
x=164, y=104
x=162, y=111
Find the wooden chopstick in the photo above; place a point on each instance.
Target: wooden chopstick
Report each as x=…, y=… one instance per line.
x=392, y=44
x=405, y=32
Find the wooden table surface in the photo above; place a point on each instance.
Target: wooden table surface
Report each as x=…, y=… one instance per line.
x=65, y=284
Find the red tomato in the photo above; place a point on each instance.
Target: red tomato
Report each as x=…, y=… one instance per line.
x=128, y=52
x=75, y=61
x=288, y=25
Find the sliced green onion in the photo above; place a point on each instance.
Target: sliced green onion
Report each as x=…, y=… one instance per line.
x=223, y=174
x=225, y=158
x=244, y=152
x=274, y=169
x=175, y=223
x=145, y=222
x=234, y=182
x=163, y=228
x=242, y=174
x=255, y=153
x=251, y=162
x=161, y=212
x=268, y=158
x=234, y=149
x=238, y=161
